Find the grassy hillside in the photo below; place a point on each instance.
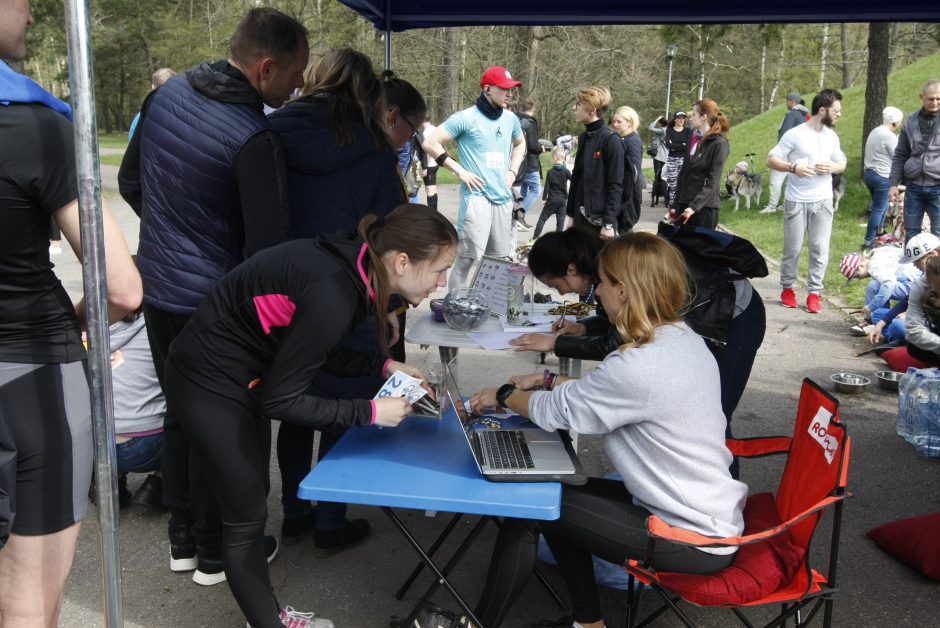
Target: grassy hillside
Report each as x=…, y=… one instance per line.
x=759, y=134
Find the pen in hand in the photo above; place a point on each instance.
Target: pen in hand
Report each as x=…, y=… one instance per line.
x=561, y=319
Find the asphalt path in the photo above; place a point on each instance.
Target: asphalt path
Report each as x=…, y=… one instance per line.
x=355, y=588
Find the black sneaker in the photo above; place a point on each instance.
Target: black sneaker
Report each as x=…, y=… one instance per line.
x=150, y=493
x=182, y=548
x=329, y=542
x=210, y=571
x=294, y=529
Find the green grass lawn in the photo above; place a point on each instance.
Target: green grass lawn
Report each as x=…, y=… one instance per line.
x=112, y=140
x=759, y=134
x=111, y=160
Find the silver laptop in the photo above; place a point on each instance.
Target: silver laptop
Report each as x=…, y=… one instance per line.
x=529, y=451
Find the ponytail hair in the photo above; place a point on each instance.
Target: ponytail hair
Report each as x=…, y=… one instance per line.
x=415, y=230
x=718, y=122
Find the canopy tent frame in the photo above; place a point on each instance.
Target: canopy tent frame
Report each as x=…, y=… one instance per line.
x=392, y=16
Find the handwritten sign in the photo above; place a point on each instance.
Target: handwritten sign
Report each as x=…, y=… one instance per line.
x=492, y=281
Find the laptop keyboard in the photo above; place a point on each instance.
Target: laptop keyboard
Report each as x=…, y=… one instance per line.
x=506, y=449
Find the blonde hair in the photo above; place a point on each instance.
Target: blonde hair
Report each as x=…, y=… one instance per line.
x=595, y=97
x=558, y=155
x=629, y=113
x=654, y=277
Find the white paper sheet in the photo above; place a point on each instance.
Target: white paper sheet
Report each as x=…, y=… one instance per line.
x=493, y=340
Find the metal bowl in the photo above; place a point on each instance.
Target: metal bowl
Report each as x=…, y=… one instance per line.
x=850, y=383
x=465, y=309
x=889, y=380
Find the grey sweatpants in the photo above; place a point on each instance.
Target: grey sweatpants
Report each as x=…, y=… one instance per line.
x=815, y=220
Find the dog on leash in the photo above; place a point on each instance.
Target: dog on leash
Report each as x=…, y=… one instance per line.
x=739, y=183
x=838, y=190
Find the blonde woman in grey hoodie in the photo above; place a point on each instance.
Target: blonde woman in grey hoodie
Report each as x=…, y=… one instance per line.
x=667, y=442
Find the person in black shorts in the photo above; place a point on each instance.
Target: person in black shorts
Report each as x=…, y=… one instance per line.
x=252, y=348
x=45, y=412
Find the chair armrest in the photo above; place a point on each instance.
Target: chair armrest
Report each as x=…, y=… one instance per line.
x=756, y=447
x=659, y=529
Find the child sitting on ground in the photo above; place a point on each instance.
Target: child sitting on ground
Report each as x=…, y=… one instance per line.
x=890, y=281
x=555, y=193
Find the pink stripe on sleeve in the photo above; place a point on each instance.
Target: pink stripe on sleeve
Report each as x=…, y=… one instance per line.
x=385, y=367
x=274, y=310
x=362, y=272
x=374, y=413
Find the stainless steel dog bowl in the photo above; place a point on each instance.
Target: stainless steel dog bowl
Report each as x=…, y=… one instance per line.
x=889, y=380
x=850, y=383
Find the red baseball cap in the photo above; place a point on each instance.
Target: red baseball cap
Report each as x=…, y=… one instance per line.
x=499, y=76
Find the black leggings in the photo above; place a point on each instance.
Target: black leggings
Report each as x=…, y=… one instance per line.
x=548, y=210
x=230, y=449
x=598, y=519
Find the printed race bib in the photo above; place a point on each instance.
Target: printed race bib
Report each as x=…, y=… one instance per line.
x=495, y=160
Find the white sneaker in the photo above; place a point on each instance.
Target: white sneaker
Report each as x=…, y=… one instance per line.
x=295, y=619
x=767, y=210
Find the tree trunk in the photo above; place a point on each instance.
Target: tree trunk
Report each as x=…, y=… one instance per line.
x=846, y=69
x=779, y=71
x=452, y=68
x=531, y=73
x=876, y=87
x=823, y=54
x=893, y=51
x=763, y=75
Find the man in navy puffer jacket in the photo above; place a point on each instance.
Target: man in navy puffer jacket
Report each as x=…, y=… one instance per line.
x=206, y=175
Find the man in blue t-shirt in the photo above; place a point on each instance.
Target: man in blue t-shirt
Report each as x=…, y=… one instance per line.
x=491, y=147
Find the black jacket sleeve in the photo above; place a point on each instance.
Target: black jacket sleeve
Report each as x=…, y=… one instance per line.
x=261, y=176
x=588, y=347
x=574, y=191
x=613, y=178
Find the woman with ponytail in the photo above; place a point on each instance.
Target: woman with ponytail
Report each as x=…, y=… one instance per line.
x=260, y=337
x=697, y=196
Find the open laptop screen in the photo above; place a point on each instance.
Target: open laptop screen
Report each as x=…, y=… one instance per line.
x=453, y=393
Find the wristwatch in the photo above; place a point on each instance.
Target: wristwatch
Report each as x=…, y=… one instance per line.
x=503, y=393
x=609, y=226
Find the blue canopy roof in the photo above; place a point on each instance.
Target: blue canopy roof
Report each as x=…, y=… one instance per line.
x=408, y=14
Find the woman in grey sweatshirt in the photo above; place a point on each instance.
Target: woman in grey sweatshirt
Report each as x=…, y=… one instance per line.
x=667, y=440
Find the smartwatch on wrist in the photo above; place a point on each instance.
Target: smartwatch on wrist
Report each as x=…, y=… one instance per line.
x=503, y=393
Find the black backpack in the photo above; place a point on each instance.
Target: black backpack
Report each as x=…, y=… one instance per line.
x=715, y=261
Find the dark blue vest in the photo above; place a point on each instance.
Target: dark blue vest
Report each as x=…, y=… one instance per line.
x=191, y=224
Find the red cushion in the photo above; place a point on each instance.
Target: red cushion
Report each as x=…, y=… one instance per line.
x=899, y=360
x=915, y=542
x=758, y=569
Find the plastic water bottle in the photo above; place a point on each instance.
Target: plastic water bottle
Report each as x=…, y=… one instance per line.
x=910, y=381
x=932, y=418
x=919, y=411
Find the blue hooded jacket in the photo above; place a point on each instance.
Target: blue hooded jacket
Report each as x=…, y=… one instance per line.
x=332, y=187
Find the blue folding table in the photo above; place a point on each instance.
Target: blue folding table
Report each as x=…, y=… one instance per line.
x=424, y=464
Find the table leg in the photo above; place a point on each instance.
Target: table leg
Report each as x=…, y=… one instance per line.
x=437, y=544
x=439, y=574
x=448, y=354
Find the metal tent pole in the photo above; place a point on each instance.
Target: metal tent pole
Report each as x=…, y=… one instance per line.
x=81, y=81
x=388, y=34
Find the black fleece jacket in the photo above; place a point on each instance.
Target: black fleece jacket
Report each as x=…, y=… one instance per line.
x=597, y=179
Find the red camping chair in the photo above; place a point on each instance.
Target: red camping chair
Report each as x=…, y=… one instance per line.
x=770, y=566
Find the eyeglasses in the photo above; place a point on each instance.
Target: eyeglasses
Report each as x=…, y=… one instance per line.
x=414, y=131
